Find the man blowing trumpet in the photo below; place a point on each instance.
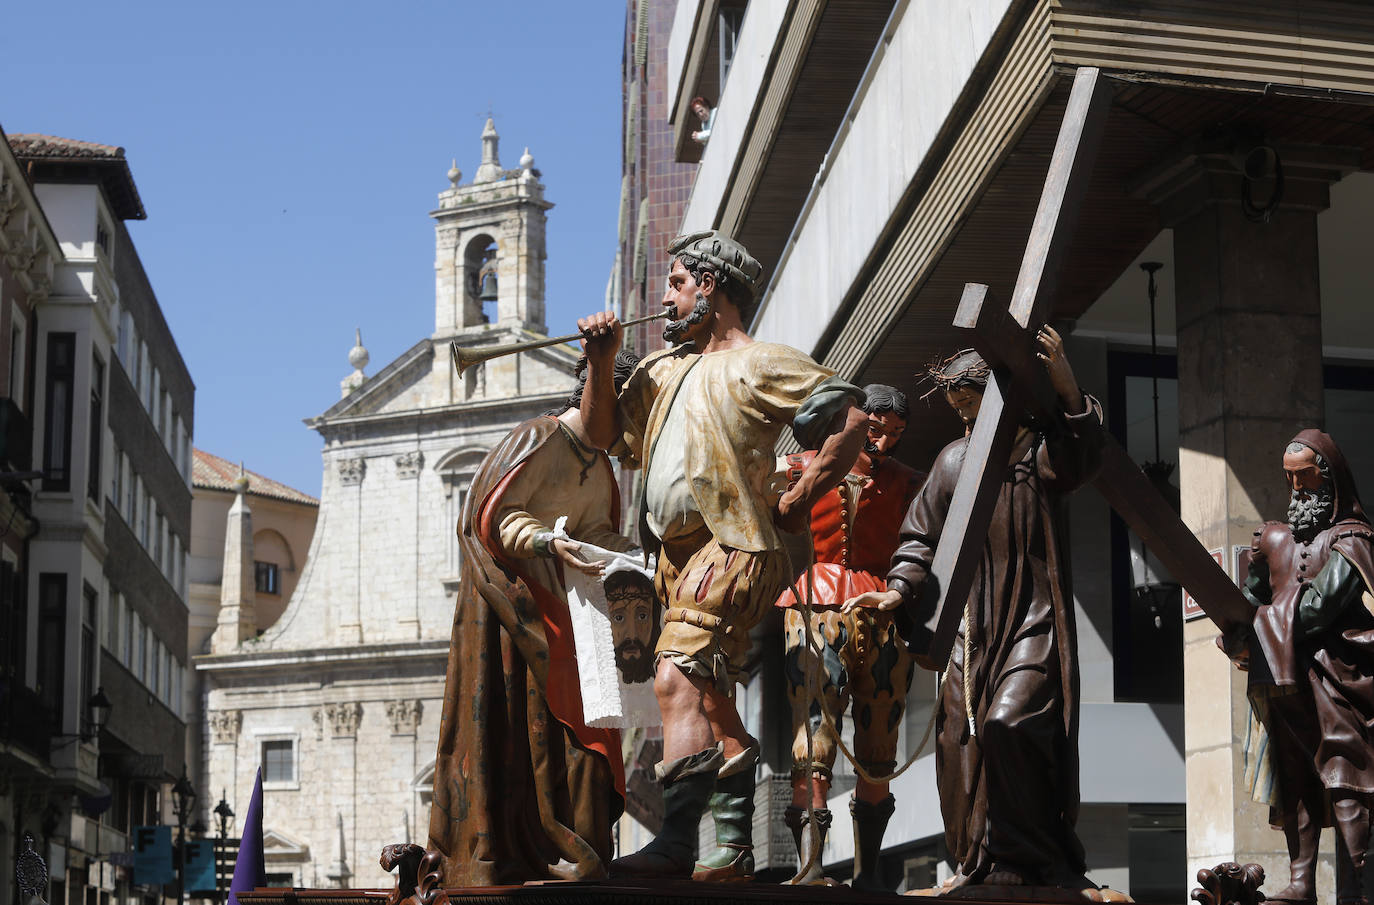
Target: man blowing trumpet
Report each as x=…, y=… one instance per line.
x=701, y=419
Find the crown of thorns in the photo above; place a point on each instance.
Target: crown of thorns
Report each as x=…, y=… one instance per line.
x=964, y=368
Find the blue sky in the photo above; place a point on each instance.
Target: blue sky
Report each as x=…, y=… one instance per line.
x=288, y=155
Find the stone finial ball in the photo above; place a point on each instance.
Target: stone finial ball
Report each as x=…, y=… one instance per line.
x=357, y=356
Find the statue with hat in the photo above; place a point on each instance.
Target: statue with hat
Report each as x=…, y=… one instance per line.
x=836, y=662
x=701, y=419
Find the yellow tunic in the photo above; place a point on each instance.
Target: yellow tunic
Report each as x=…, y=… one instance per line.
x=735, y=407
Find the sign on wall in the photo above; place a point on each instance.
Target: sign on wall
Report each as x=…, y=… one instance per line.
x=200, y=865
x=1191, y=609
x=153, y=855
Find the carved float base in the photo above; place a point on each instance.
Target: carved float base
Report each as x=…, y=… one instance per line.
x=658, y=892
x=1227, y=884
x=1054, y=895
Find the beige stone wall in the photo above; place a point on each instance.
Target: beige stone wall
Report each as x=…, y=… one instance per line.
x=362, y=734
x=286, y=530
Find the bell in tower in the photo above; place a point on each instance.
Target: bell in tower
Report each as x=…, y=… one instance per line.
x=488, y=290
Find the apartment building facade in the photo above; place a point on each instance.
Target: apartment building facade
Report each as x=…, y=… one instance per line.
x=104, y=583
x=876, y=156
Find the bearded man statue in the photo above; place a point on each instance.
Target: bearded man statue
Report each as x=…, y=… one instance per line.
x=1312, y=690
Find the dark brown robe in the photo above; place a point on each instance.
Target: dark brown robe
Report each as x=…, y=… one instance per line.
x=1315, y=695
x=523, y=790
x=1009, y=793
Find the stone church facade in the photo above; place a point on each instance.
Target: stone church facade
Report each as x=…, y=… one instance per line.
x=339, y=700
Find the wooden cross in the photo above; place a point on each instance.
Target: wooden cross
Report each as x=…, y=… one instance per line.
x=1005, y=337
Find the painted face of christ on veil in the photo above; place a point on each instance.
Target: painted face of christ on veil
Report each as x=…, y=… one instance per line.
x=634, y=625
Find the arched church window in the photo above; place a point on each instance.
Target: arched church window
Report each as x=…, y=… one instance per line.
x=422, y=789
x=456, y=471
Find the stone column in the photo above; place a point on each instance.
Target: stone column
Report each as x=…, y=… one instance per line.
x=1250, y=377
x=348, y=628
x=238, y=619
x=341, y=721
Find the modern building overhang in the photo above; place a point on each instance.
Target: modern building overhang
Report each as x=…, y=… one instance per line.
x=786, y=98
x=879, y=255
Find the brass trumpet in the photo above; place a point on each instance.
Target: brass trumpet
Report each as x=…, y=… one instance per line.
x=465, y=357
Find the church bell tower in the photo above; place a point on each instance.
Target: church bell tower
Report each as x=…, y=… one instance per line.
x=489, y=247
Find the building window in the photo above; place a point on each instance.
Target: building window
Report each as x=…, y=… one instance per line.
x=18, y=357
x=97, y=438
x=136, y=369
x=122, y=339
x=117, y=477
x=456, y=470
x=112, y=626
x=13, y=624
x=266, y=576
x=90, y=609
x=102, y=237
x=52, y=640
x=57, y=436
x=278, y=760
x=730, y=19
x=1147, y=629
x=143, y=634
x=145, y=519
x=157, y=539
x=16, y=339
x=132, y=633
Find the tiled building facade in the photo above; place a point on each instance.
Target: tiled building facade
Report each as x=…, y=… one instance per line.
x=655, y=186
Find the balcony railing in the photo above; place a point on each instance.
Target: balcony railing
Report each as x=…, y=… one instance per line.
x=24, y=719
x=16, y=437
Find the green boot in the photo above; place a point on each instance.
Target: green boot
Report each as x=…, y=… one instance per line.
x=687, y=784
x=732, y=807
x=870, y=822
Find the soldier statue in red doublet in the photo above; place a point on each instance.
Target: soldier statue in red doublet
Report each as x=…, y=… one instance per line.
x=854, y=657
x=1313, y=690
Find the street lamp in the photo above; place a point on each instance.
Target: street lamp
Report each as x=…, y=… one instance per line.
x=1151, y=582
x=183, y=800
x=224, y=815
x=98, y=710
